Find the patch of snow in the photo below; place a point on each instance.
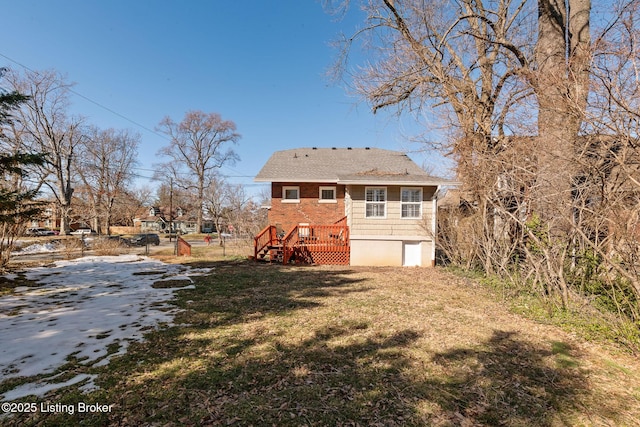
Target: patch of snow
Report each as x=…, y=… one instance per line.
x=38, y=248
x=200, y=271
x=80, y=308
x=179, y=277
x=40, y=389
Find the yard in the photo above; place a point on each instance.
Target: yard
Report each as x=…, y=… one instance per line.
x=259, y=344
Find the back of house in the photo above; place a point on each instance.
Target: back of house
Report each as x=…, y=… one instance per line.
x=388, y=203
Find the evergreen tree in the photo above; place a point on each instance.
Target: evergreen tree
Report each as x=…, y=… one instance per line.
x=17, y=203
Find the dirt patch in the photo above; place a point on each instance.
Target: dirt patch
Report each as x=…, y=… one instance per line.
x=162, y=284
x=147, y=273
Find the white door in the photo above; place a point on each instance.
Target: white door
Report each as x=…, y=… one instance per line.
x=411, y=254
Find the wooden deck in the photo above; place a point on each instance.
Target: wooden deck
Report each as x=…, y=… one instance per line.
x=309, y=244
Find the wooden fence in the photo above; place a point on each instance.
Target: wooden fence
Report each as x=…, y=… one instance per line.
x=184, y=247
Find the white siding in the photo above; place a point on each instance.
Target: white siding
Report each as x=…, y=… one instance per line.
x=393, y=224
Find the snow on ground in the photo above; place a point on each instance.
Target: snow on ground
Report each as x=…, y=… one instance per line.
x=38, y=248
x=80, y=308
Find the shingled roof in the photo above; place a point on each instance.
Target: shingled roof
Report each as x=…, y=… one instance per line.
x=345, y=166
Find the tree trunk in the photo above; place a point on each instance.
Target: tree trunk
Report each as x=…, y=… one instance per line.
x=64, y=219
x=561, y=85
x=108, y=214
x=199, y=207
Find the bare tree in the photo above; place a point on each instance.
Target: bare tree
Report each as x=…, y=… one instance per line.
x=199, y=146
x=242, y=212
x=544, y=104
x=130, y=204
x=470, y=60
x=105, y=169
x=607, y=203
x=217, y=201
x=44, y=126
x=486, y=64
x=230, y=205
x=464, y=57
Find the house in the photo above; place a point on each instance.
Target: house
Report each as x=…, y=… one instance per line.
x=357, y=206
x=158, y=219
x=49, y=218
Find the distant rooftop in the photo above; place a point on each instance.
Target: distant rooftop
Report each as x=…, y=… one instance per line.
x=345, y=166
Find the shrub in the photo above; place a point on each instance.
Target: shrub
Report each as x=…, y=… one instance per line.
x=107, y=247
x=71, y=245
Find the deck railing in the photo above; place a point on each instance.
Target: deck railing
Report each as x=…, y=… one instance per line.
x=288, y=244
x=320, y=244
x=308, y=241
x=264, y=239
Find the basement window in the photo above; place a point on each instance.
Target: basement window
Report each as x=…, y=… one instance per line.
x=290, y=194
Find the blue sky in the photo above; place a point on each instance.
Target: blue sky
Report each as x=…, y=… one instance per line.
x=259, y=63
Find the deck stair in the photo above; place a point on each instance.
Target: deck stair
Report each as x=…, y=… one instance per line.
x=273, y=253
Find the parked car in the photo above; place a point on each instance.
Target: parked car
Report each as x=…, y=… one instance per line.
x=144, y=239
x=81, y=231
x=37, y=231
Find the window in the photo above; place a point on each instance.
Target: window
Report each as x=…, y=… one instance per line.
x=411, y=202
x=375, y=202
x=291, y=194
x=327, y=195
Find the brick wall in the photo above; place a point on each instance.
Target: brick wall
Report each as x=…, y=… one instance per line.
x=309, y=210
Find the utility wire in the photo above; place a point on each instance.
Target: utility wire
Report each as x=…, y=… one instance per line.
x=96, y=103
x=122, y=116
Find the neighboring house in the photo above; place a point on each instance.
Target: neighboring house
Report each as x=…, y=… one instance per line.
x=49, y=218
x=357, y=206
x=156, y=218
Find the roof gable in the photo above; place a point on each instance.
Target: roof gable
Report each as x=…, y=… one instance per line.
x=344, y=165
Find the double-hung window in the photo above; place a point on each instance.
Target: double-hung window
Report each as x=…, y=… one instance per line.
x=411, y=203
x=375, y=202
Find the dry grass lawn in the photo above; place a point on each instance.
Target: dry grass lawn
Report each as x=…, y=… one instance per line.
x=263, y=344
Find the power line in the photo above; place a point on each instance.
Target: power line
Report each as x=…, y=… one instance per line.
x=122, y=116
x=96, y=103
x=189, y=173
x=138, y=175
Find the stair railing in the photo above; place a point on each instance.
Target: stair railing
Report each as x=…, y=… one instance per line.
x=264, y=239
